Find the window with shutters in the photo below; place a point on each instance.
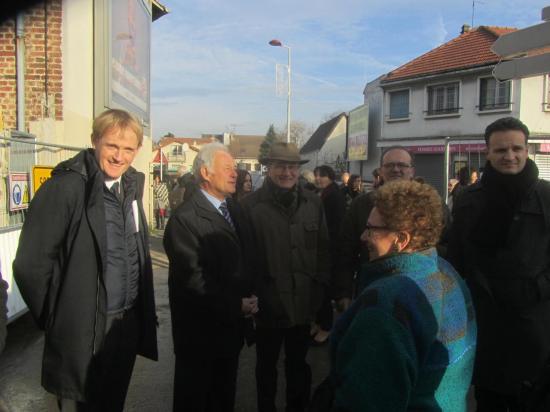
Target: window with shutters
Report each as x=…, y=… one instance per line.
x=399, y=104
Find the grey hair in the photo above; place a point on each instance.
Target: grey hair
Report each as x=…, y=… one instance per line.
x=205, y=157
x=308, y=175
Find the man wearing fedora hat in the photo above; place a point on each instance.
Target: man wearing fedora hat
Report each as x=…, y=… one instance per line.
x=292, y=241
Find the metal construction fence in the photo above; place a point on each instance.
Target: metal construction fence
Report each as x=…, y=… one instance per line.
x=19, y=154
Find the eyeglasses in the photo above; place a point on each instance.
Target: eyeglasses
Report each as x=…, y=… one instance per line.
x=371, y=228
x=399, y=165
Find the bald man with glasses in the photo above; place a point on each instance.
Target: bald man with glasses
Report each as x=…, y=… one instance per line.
x=396, y=163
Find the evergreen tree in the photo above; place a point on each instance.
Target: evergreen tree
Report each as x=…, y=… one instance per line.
x=270, y=138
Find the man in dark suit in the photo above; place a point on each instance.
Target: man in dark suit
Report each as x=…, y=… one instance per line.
x=208, y=243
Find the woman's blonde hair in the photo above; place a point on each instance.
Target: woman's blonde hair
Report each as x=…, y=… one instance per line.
x=409, y=206
x=116, y=119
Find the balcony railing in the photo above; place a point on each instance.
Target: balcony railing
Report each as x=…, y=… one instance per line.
x=445, y=110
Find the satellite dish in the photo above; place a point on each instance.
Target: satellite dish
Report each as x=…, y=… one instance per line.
x=185, y=147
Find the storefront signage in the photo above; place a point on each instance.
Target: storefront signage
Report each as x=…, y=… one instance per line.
x=454, y=148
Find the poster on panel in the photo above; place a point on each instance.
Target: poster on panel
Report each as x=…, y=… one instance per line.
x=358, y=133
x=130, y=56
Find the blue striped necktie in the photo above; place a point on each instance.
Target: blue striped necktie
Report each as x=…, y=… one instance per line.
x=226, y=215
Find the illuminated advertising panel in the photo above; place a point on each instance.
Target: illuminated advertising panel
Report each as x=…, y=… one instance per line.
x=358, y=133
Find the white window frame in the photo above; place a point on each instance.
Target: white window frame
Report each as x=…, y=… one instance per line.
x=427, y=88
x=546, y=96
x=508, y=108
x=388, y=106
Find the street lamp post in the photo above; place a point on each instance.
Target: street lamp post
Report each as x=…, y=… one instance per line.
x=278, y=43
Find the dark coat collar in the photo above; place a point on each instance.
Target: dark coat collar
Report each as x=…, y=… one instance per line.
x=265, y=195
x=206, y=210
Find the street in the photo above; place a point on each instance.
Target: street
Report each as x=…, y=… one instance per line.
x=151, y=385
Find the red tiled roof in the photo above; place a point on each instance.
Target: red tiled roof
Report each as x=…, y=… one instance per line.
x=470, y=49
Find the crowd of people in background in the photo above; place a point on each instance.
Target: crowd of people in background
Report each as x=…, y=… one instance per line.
x=169, y=192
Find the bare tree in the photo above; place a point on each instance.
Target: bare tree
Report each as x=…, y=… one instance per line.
x=299, y=133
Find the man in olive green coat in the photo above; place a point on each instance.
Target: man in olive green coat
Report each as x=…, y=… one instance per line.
x=292, y=239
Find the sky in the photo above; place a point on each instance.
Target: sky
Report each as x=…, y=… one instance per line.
x=213, y=70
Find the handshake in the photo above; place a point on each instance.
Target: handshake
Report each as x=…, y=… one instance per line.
x=249, y=306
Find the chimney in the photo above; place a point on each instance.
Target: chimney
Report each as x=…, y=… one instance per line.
x=465, y=28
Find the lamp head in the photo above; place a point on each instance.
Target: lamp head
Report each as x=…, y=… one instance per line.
x=275, y=42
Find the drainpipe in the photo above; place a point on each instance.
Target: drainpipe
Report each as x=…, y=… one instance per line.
x=446, y=170
x=20, y=69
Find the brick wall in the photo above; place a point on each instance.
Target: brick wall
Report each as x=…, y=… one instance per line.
x=43, y=65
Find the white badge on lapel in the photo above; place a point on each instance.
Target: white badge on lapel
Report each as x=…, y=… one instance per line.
x=135, y=212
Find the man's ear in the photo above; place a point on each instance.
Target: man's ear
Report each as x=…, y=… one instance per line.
x=204, y=173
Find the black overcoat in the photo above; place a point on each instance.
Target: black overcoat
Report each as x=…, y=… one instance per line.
x=511, y=290
x=212, y=267
x=59, y=269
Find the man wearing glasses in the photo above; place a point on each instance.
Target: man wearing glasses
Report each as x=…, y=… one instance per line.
x=396, y=163
x=292, y=240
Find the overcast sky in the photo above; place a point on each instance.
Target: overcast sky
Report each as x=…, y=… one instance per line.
x=213, y=70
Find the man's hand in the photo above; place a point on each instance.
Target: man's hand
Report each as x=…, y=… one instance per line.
x=249, y=306
x=342, y=304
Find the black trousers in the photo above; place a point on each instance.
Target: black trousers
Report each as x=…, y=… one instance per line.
x=325, y=314
x=204, y=382
x=490, y=401
x=114, y=364
x=297, y=371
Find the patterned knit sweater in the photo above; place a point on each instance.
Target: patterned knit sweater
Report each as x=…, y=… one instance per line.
x=408, y=341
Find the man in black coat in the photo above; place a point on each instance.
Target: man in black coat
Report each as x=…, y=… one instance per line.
x=500, y=243
x=208, y=243
x=396, y=163
x=84, y=269
x=334, y=204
